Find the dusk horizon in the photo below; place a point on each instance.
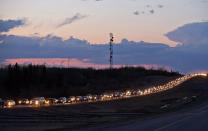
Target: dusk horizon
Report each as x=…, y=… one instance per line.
x=170, y=34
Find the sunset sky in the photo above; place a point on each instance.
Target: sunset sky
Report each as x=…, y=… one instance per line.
x=167, y=33
x=146, y=20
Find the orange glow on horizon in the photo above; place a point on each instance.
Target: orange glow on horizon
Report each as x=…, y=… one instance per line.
x=72, y=62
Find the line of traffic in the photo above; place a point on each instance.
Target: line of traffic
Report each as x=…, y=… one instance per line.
x=41, y=101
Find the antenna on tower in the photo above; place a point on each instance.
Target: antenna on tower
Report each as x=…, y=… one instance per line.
x=111, y=50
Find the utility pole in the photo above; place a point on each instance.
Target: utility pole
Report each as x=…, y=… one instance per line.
x=111, y=50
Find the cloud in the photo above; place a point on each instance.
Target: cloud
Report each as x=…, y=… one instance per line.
x=6, y=25
x=152, y=11
x=185, y=57
x=136, y=13
x=149, y=9
x=193, y=33
x=160, y=6
x=72, y=19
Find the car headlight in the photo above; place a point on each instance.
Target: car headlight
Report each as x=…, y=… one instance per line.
x=47, y=102
x=9, y=103
x=36, y=102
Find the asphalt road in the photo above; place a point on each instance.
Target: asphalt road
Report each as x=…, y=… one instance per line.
x=194, y=119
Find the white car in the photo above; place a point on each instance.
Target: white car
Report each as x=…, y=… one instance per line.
x=71, y=99
x=37, y=101
x=9, y=103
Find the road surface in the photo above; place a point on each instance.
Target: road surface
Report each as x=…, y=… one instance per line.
x=194, y=119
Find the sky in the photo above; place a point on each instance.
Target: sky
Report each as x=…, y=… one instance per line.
x=167, y=33
x=146, y=20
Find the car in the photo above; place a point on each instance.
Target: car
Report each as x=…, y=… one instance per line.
x=116, y=94
x=71, y=99
x=89, y=97
x=9, y=103
x=106, y=96
x=1, y=103
x=134, y=92
x=23, y=102
x=95, y=97
x=85, y=98
x=128, y=93
x=62, y=100
x=79, y=98
x=37, y=101
x=51, y=101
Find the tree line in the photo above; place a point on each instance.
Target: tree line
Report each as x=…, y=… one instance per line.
x=38, y=80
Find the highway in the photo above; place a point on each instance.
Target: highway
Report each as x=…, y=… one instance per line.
x=68, y=117
x=122, y=94
x=193, y=119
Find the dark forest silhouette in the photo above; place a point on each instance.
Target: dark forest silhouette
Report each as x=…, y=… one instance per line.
x=39, y=80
